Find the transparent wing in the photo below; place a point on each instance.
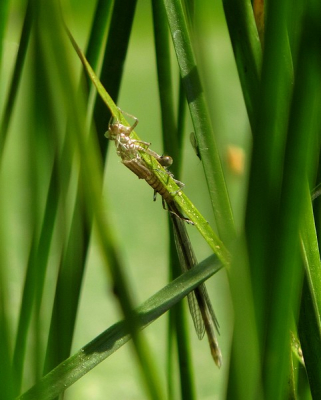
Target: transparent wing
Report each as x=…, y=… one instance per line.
x=187, y=261
x=203, y=289
x=196, y=315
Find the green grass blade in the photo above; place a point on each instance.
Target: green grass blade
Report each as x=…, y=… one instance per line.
x=97, y=33
x=113, y=338
x=245, y=381
x=165, y=87
x=181, y=113
x=310, y=333
x=172, y=146
x=38, y=259
x=14, y=85
x=200, y=117
x=247, y=50
x=309, y=322
x=94, y=49
x=113, y=62
x=4, y=7
x=69, y=284
x=311, y=254
x=95, y=80
x=7, y=382
x=96, y=38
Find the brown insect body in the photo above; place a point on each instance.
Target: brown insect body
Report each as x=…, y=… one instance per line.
x=130, y=152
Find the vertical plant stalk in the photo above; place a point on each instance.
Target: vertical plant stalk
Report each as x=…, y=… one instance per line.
x=16, y=76
x=177, y=315
x=4, y=7
x=201, y=120
x=247, y=50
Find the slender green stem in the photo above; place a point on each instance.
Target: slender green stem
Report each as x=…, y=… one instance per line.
x=16, y=76
x=247, y=50
x=309, y=322
x=202, y=124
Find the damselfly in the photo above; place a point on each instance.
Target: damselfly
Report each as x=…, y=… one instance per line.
x=130, y=150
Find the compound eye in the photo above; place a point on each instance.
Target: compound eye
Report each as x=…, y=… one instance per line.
x=165, y=161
